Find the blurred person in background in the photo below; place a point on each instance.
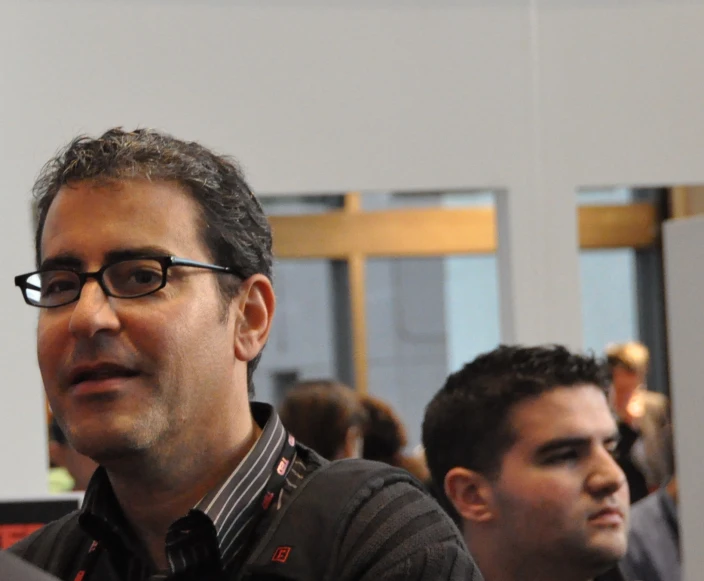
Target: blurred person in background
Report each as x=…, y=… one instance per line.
x=643, y=419
x=654, y=539
x=385, y=439
x=327, y=416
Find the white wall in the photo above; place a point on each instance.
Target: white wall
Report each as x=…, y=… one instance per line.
x=532, y=97
x=621, y=88
x=684, y=276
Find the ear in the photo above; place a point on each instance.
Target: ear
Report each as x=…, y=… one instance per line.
x=255, y=310
x=471, y=494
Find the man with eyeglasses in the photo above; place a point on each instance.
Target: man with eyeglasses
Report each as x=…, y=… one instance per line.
x=155, y=295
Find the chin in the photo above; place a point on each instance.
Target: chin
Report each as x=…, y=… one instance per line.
x=595, y=553
x=105, y=442
x=610, y=550
x=100, y=447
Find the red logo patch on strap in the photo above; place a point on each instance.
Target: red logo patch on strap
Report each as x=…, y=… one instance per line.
x=268, y=497
x=281, y=554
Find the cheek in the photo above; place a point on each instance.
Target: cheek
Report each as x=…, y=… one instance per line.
x=550, y=497
x=52, y=339
x=174, y=338
x=154, y=337
x=53, y=343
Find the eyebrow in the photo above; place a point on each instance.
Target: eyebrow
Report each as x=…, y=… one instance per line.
x=572, y=442
x=129, y=253
x=69, y=261
x=61, y=261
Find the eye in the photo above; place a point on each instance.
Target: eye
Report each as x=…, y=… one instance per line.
x=612, y=448
x=145, y=276
x=563, y=456
x=54, y=283
x=134, y=277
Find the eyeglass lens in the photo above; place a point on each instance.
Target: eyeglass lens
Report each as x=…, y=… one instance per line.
x=125, y=279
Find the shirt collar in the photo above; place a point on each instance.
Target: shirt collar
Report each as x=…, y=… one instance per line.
x=233, y=504
x=230, y=507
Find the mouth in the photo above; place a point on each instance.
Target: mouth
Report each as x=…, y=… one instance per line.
x=611, y=516
x=102, y=375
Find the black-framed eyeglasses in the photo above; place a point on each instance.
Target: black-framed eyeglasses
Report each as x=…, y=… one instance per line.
x=125, y=279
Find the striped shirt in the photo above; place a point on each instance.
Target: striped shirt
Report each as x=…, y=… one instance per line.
x=212, y=536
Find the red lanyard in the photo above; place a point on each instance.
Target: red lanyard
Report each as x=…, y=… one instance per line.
x=89, y=562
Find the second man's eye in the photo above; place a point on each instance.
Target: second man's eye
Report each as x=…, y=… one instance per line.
x=568, y=455
x=612, y=448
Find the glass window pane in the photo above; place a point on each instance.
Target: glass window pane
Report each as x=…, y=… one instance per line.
x=427, y=316
x=472, y=308
x=609, y=300
x=608, y=281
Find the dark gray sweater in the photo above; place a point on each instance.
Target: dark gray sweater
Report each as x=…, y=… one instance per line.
x=347, y=521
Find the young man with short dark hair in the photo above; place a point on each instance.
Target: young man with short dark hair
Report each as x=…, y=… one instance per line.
x=520, y=442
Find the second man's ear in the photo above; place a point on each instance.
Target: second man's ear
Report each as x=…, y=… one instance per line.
x=255, y=312
x=471, y=494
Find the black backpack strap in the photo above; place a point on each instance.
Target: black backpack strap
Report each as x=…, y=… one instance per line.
x=302, y=539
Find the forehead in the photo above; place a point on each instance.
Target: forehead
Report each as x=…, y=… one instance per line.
x=87, y=219
x=563, y=412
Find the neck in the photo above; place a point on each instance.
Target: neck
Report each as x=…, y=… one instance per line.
x=499, y=563
x=160, y=486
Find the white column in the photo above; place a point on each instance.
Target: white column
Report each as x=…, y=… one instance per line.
x=538, y=253
x=23, y=437
x=684, y=284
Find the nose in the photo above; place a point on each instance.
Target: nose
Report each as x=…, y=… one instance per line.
x=606, y=477
x=93, y=312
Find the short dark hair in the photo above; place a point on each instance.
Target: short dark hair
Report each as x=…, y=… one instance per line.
x=233, y=225
x=384, y=434
x=320, y=412
x=467, y=422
